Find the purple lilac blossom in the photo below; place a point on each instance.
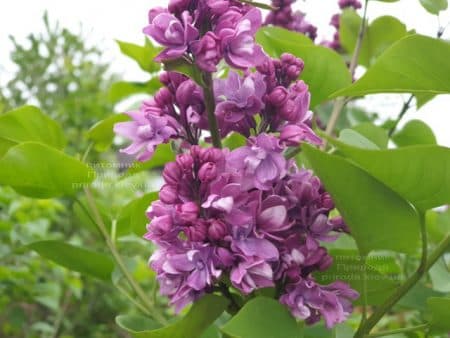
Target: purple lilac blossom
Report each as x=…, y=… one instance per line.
x=248, y=216
x=146, y=131
x=255, y=230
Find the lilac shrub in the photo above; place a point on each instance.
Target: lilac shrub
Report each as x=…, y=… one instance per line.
x=247, y=218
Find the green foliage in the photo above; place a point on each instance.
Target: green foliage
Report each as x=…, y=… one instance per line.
x=379, y=35
x=102, y=133
x=132, y=217
x=262, y=317
x=202, y=314
x=440, y=316
x=434, y=6
x=23, y=169
x=122, y=89
x=28, y=123
x=143, y=55
x=380, y=271
x=66, y=78
x=401, y=169
x=396, y=71
x=75, y=258
x=325, y=71
x=413, y=133
x=377, y=216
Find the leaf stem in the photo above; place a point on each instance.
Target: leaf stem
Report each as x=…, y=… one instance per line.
x=120, y=263
x=424, y=266
x=341, y=101
x=210, y=105
x=403, y=111
x=403, y=330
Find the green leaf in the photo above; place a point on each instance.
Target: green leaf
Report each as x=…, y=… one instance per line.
x=184, y=67
x=162, y=155
x=235, y=140
x=438, y=309
x=136, y=323
x=414, y=64
x=348, y=266
x=423, y=98
x=28, y=123
x=417, y=173
x=262, y=317
x=434, y=6
x=102, y=132
x=36, y=170
x=132, y=216
x=75, y=258
x=377, y=135
x=202, y=314
x=143, y=55
x=416, y=298
x=380, y=34
x=414, y=132
x=352, y=137
x=325, y=70
x=123, y=89
x=377, y=216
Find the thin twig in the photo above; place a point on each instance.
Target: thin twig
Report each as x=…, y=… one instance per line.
x=341, y=101
x=424, y=266
x=120, y=263
x=405, y=108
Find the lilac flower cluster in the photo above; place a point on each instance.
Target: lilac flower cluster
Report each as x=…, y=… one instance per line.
x=206, y=31
x=251, y=217
x=285, y=17
x=248, y=218
x=177, y=111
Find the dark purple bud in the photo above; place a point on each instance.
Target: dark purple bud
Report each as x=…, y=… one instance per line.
x=217, y=230
x=168, y=194
x=197, y=232
x=163, y=97
x=327, y=201
x=172, y=173
x=349, y=3
x=278, y=96
x=207, y=172
x=224, y=257
x=185, y=161
x=335, y=20
x=211, y=155
x=188, y=211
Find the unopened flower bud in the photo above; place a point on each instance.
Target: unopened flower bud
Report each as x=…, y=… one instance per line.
x=207, y=172
x=168, y=194
x=217, y=230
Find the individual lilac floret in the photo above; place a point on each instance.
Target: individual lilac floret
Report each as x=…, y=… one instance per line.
x=238, y=99
x=261, y=162
x=146, y=131
x=170, y=32
x=184, y=275
x=207, y=52
x=238, y=44
x=356, y=4
x=252, y=274
x=308, y=300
